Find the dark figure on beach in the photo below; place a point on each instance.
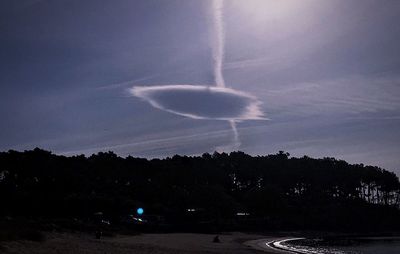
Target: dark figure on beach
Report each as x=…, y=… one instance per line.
x=98, y=234
x=216, y=239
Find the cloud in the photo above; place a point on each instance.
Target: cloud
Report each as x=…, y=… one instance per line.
x=218, y=43
x=202, y=102
x=352, y=96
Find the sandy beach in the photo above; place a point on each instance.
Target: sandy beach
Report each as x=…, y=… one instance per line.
x=180, y=243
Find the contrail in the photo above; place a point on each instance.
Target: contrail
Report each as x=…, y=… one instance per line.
x=218, y=57
x=236, y=140
x=218, y=43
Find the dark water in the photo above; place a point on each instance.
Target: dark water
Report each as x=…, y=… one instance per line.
x=345, y=245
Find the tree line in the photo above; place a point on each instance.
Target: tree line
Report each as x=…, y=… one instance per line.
x=233, y=190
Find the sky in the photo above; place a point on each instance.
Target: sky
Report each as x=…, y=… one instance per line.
x=315, y=78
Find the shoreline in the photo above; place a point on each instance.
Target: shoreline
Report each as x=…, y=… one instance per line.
x=167, y=243
x=278, y=245
x=267, y=245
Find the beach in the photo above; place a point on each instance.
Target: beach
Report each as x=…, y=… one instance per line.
x=180, y=243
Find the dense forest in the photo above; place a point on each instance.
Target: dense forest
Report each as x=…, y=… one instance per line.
x=227, y=191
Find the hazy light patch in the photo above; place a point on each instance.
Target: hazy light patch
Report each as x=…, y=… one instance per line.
x=268, y=9
x=202, y=102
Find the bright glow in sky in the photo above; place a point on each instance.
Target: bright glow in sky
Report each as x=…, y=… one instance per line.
x=263, y=10
x=327, y=74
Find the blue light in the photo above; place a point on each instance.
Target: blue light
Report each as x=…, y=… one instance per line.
x=140, y=211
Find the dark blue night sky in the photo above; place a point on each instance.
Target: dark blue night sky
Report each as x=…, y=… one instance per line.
x=326, y=72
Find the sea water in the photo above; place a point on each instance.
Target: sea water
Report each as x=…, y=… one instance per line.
x=376, y=245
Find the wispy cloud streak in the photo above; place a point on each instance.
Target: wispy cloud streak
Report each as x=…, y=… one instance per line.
x=218, y=43
x=218, y=57
x=207, y=102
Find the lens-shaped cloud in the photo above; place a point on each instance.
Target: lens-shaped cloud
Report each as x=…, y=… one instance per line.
x=201, y=102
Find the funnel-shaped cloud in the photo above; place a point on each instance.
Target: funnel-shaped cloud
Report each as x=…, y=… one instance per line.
x=202, y=102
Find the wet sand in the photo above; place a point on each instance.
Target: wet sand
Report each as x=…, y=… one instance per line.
x=179, y=243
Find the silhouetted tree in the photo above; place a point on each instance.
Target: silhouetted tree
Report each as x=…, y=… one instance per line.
x=274, y=191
